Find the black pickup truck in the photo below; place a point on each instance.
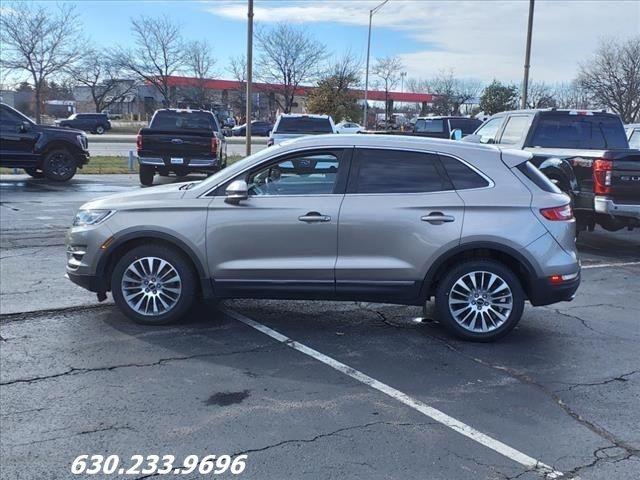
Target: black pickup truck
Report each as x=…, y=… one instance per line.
x=180, y=142
x=41, y=150
x=585, y=153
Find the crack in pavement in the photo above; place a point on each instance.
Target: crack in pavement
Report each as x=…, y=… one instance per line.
x=312, y=439
x=575, y=317
x=526, y=379
x=598, y=459
x=382, y=316
x=162, y=361
x=619, y=378
x=86, y=432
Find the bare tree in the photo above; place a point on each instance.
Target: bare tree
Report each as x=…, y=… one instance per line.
x=612, y=77
x=158, y=53
x=571, y=95
x=334, y=93
x=417, y=85
x=103, y=78
x=287, y=58
x=452, y=93
x=201, y=65
x=388, y=70
x=541, y=95
x=41, y=42
x=237, y=67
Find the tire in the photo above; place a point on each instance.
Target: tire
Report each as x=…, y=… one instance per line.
x=456, y=308
x=59, y=165
x=34, y=172
x=171, y=299
x=146, y=175
x=99, y=129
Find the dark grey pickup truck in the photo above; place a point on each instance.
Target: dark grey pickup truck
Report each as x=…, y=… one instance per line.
x=180, y=142
x=585, y=153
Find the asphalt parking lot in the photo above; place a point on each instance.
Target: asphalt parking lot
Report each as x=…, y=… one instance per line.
x=319, y=390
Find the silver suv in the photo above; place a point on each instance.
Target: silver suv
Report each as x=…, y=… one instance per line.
x=340, y=217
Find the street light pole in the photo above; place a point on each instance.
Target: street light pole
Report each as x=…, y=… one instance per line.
x=249, y=75
x=527, y=57
x=366, y=75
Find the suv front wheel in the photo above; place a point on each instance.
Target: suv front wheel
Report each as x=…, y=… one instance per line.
x=480, y=300
x=153, y=285
x=59, y=165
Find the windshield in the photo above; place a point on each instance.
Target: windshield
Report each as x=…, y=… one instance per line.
x=164, y=120
x=304, y=125
x=579, y=131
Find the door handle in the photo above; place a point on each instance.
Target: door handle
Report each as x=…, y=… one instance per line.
x=437, y=218
x=314, y=217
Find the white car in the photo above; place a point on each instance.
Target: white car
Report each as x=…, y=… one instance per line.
x=294, y=125
x=349, y=127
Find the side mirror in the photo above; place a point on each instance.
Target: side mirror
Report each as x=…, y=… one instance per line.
x=456, y=134
x=24, y=127
x=236, y=191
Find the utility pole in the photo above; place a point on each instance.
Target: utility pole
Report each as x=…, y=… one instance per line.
x=249, y=75
x=366, y=76
x=527, y=58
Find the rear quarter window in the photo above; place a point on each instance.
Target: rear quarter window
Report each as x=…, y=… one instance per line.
x=462, y=176
x=530, y=171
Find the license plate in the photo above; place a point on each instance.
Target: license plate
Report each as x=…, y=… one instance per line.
x=176, y=161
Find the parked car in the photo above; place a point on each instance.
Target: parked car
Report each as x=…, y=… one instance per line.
x=585, y=153
x=180, y=142
x=41, y=150
x=258, y=128
x=437, y=127
x=89, y=122
x=294, y=125
x=267, y=227
x=349, y=127
x=633, y=134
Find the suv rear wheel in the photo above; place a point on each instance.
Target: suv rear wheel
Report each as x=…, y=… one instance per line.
x=153, y=285
x=59, y=165
x=146, y=175
x=99, y=129
x=480, y=300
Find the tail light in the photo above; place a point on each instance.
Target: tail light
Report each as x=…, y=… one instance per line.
x=139, y=142
x=562, y=213
x=602, y=170
x=214, y=145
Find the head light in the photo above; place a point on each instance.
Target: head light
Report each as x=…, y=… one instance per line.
x=91, y=217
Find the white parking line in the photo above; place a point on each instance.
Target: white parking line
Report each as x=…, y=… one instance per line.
x=607, y=265
x=441, y=417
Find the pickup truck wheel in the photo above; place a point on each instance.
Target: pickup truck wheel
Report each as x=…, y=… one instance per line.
x=59, y=165
x=146, y=175
x=154, y=284
x=34, y=172
x=479, y=300
x=99, y=129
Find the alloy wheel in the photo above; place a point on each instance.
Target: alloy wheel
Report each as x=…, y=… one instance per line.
x=151, y=286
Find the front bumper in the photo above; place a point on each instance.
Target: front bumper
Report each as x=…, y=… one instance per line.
x=543, y=292
x=608, y=206
x=88, y=282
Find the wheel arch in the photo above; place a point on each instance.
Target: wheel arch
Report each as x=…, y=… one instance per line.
x=560, y=169
x=510, y=257
x=126, y=242
x=74, y=150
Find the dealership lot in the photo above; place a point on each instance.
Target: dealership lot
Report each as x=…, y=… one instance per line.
x=77, y=377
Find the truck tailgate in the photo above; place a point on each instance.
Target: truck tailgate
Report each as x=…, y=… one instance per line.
x=167, y=144
x=625, y=177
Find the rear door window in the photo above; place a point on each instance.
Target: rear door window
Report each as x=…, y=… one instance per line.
x=396, y=171
x=515, y=129
x=563, y=130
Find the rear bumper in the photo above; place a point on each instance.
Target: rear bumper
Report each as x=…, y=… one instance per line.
x=608, y=206
x=543, y=292
x=187, y=163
